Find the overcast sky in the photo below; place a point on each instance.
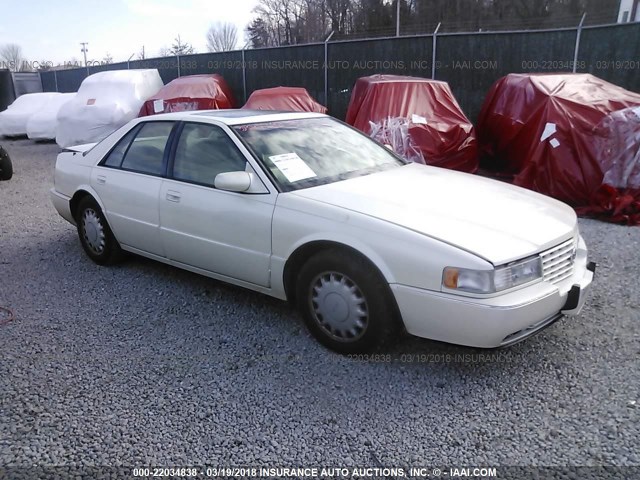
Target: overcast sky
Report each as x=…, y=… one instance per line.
x=51, y=30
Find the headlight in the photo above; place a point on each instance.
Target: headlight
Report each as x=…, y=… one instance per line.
x=472, y=281
x=491, y=281
x=518, y=273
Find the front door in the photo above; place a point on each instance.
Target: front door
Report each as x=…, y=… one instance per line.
x=223, y=232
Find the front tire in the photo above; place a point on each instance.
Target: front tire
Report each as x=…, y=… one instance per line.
x=95, y=235
x=345, y=302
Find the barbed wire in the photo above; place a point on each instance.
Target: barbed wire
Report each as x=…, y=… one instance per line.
x=484, y=24
x=487, y=24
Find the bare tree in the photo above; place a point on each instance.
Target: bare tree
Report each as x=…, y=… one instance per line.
x=107, y=59
x=11, y=55
x=222, y=37
x=141, y=54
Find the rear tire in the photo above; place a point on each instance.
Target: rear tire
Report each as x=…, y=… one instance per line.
x=95, y=235
x=6, y=167
x=345, y=302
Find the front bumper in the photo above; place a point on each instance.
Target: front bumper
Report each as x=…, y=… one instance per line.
x=492, y=322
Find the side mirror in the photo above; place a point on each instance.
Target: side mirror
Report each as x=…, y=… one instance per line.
x=233, y=181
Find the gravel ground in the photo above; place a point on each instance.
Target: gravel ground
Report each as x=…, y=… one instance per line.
x=146, y=364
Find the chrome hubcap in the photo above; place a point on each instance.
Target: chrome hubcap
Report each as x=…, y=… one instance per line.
x=339, y=307
x=93, y=231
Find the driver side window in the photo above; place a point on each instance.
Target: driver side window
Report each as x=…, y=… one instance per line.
x=204, y=151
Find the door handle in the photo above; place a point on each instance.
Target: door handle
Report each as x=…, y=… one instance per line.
x=101, y=179
x=173, y=196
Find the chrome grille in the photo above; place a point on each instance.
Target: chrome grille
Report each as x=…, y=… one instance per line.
x=557, y=262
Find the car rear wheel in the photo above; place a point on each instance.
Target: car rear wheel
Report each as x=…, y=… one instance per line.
x=95, y=235
x=345, y=302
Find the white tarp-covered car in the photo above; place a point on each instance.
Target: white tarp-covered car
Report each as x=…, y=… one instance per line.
x=13, y=121
x=42, y=124
x=105, y=102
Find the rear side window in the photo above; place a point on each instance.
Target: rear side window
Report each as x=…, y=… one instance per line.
x=146, y=152
x=114, y=159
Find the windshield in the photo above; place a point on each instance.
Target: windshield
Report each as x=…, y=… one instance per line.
x=307, y=152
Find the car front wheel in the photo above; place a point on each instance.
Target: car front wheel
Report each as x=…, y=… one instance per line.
x=345, y=302
x=95, y=235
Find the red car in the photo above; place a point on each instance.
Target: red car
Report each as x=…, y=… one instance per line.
x=193, y=92
x=419, y=118
x=287, y=99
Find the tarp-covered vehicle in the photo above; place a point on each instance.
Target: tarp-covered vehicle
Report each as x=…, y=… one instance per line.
x=193, y=92
x=419, y=118
x=13, y=121
x=574, y=137
x=284, y=99
x=105, y=102
x=42, y=124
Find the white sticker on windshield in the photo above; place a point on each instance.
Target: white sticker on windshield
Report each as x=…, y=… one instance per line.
x=158, y=106
x=292, y=167
x=418, y=119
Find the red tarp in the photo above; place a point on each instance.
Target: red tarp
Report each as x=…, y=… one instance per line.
x=290, y=99
x=194, y=92
x=418, y=117
x=567, y=136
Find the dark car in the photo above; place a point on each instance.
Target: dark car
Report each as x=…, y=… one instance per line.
x=6, y=169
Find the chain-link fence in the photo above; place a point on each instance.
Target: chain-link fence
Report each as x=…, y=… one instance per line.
x=470, y=62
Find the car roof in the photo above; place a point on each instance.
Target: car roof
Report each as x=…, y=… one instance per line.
x=234, y=116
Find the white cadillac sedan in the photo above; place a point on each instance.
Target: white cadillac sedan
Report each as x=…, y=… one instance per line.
x=304, y=208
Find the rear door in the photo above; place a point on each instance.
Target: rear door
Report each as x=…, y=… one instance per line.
x=128, y=182
x=227, y=233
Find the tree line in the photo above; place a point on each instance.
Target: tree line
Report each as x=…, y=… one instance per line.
x=290, y=22
x=293, y=22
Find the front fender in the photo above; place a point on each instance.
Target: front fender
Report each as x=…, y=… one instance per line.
x=402, y=255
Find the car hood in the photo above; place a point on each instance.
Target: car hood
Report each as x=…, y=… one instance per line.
x=494, y=220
